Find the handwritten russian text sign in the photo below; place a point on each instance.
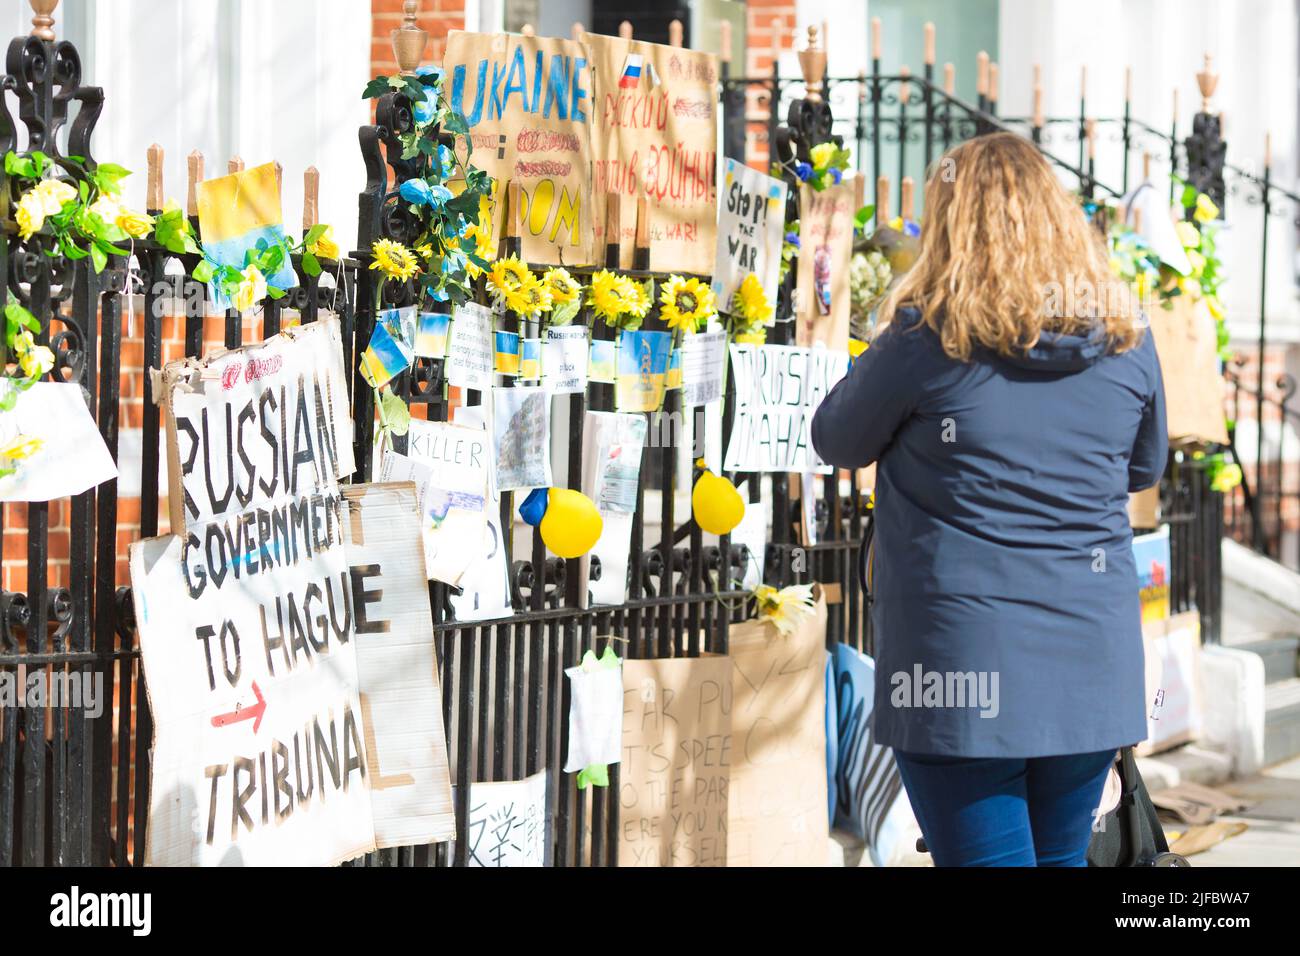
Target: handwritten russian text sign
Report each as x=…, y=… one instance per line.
x=528, y=103
x=778, y=389
x=654, y=136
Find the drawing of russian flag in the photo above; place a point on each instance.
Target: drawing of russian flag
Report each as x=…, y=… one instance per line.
x=631, y=71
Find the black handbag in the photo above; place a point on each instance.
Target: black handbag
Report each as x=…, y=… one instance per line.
x=1130, y=834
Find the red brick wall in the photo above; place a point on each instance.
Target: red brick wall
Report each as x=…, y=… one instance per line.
x=435, y=16
x=769, y=23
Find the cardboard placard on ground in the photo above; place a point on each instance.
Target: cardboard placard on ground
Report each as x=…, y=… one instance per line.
x=529, y=104
x=777, y=800
x=675, y=771
x=1188, y=347
x=1173, y=681
x=825, y=252
x=654, y=136
x=294, y=687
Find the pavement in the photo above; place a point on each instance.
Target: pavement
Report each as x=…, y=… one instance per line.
x=1272, y=834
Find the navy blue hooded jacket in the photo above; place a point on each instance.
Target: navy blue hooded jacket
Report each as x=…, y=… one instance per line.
x=1007, y=619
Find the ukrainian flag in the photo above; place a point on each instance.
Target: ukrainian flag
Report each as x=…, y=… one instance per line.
x=238, y=211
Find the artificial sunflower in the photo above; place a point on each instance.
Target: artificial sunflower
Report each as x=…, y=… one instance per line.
x=530, y=298
x=608, y=295
x=562, y=286
x=686, y=303
x=786, y=608
x=507, y=276
x=636, y=297
x=751, y=303
x=394, y=260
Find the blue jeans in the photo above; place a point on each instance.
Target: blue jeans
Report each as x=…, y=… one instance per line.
x=990, y=811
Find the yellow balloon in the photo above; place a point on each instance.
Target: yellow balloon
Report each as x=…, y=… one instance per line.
x=571, y=524
x=716, y=504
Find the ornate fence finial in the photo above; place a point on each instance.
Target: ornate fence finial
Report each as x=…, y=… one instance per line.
x=625, y=30
x=1207, y=80
x=43, y=22
x=981, y=74
x=812, y=63
x=929, y=44
x=527, y=30
x=194, y=170
x=724, y=40
x=409, y=39
x=578, y=32
x=310, y=198
x=154, y=183
x=950, y=79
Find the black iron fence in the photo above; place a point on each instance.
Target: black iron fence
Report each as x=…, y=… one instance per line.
x=74, y=787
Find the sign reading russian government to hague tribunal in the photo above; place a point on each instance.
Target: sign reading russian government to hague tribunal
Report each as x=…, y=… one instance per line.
x=528, y=103
x=778, y=389
x=285, y=631
x=655, y=136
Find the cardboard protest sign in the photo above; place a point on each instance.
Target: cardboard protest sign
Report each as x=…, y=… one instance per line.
x=751, y=228
x=654, y=136
x=470, y=352
x=294, y=687
x=449, y=465
x=258, y=431
x=613, y=443
x=72, y=456
x=675, y=770
x=778, y=390
x=521, y=428
x=528, y=102
x=870, y=801
x=1173, y=681
x=777, y=800
x=825, y=254
x=1187, y=344
x=508, y=823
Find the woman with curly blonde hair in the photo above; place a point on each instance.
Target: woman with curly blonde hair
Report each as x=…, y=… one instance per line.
x=1012, y=400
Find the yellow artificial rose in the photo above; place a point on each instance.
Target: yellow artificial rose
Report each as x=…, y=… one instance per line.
x=1190, y=286
x=325, y=246
x=30, y=215
x=54, y=194
x=1216, y=308
x=107, y=209
x=821, y=156
x=1206, y=210
x=35, y=360
x=1188, y=234
x=1116, y=267
x=251, y=290
x=1197, y=260
x=21, y=447
x=137, y=225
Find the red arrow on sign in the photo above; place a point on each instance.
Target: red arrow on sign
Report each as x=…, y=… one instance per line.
x=253, y=713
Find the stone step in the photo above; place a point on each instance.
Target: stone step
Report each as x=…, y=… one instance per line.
x=1281, y=721
x=1281, y=656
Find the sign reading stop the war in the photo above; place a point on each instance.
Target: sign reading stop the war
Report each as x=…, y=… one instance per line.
x=285, y=628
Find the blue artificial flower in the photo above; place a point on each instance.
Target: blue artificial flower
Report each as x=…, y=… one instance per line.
x=424, y=112
x=532, y=508
x=448, y=160
x=912, y=228
x=418, y=192
x=836, y=175
x=804, y=171
x=792, y=238
x=438, y=295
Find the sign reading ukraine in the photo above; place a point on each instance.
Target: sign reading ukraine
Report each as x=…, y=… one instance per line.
x=236, y=212
x=528, y=102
